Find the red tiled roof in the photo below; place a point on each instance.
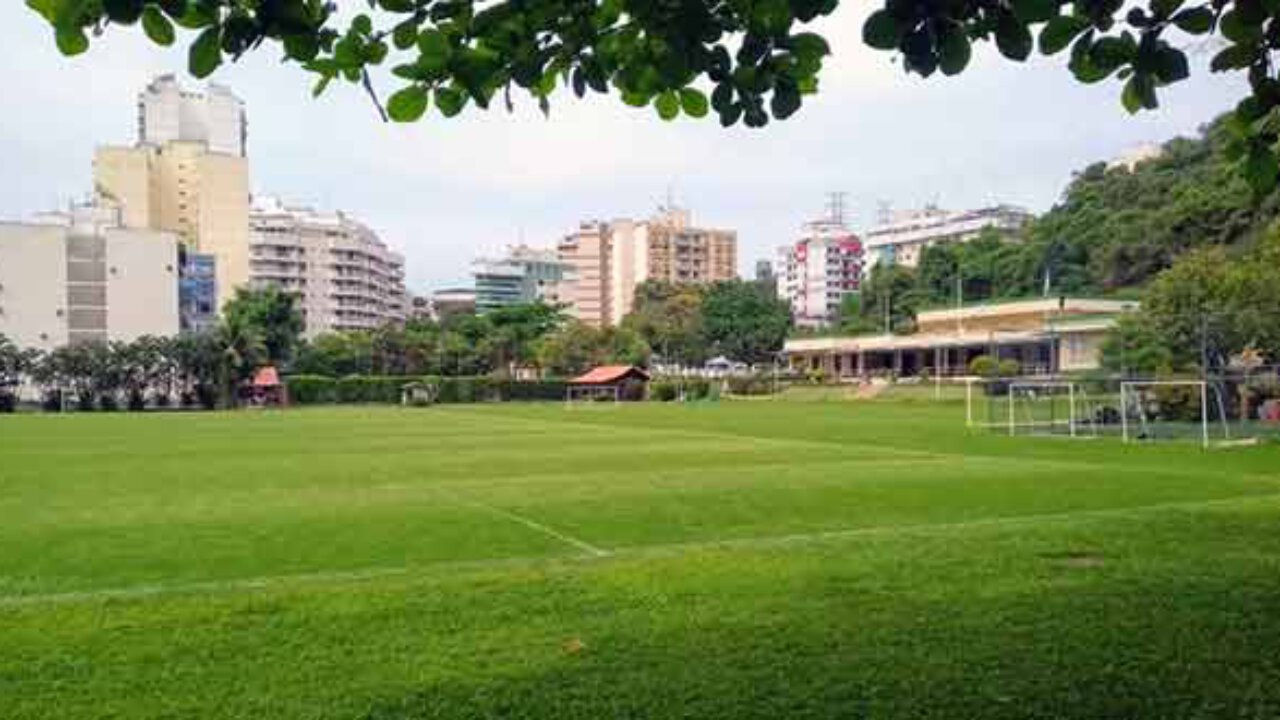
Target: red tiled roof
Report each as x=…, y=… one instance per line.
x=266, y=377
x=606, y=374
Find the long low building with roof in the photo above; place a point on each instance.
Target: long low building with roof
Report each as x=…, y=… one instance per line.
x=1044, y=336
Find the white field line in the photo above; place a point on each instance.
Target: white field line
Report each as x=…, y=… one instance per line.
x=263, y=582
x=582, y=545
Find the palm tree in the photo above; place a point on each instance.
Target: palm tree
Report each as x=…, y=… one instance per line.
x=243, y=349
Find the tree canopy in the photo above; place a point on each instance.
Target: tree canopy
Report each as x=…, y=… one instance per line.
x=754, y=57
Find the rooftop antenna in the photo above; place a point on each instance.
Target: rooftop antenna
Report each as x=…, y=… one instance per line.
x=884, y=212
x=835, y=207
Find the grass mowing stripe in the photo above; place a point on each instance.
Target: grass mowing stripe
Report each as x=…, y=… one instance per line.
x=596, y=554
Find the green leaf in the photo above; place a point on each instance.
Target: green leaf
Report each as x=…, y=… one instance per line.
x=302, y=47
x=157, y=26
x=362, y=24
x=408, y=104
x=405, y=35
x=785, y=101
x=1234, y=58
x=1109, y=53
x=1261, y=169
x=1237, y=29
x=693, y=102
x=1139, y=92
x=449, y=100
x=124, y=12
x=668, y=105
x=397, y=6
x=205, y=54
x=1196, y=21
x=1165, y=8
x=434, y=47
x=810, y=46
x=882, y=31
x=1034, y=11
x=1059, y=32
x=1171, y=65
x=71, y=40
x=953, y=50
x=1013, y=39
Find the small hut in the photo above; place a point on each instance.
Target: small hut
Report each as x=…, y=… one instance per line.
x=265, y=389
x=418, y=394
x=609, y=382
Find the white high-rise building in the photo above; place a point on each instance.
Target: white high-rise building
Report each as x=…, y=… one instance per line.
x=168, y=113
x=816, y=272
x=344, y=276
x=906, y=234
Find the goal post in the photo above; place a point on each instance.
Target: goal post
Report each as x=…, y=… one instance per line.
x=1042, y=407
x=1171, y=410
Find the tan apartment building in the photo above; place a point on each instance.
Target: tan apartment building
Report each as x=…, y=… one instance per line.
x=187, y=175
x=586, y=253
x=344, y=276
x=610, y=259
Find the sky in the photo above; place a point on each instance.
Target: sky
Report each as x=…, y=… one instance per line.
x=445, y=191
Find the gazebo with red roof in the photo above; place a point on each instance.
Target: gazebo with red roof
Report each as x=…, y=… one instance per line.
x=619, y=382
x=265, y=388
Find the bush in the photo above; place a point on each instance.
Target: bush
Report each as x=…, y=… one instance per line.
x=162, y=399
x=8, y=402
x=984, y=366
x=108, y=402
x=750, y=385
x=1009, y=368
x=317, y=389
x=311, y=389
x=663, y=390
x=137, y=401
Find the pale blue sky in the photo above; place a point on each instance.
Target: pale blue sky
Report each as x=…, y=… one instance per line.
x=443, y=191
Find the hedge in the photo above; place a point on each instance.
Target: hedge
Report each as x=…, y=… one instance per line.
x=360, y=389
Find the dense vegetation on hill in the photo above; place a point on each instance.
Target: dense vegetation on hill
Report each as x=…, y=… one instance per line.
x=1113, y=231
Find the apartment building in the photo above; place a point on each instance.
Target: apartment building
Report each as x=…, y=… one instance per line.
x=79, y=276
x=816, y=272
x=345, y=277
x=523, y=275
x=905, y=234
x=609, y=259
x=666, y=248
x=187, y=174
x=586, y=252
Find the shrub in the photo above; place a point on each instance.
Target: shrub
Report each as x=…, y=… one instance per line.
x=162, y=399
x=697, y=389
x=108, y=402
x=137, y=401
x=311, y=389
x=1009, y=368
x=663, y=390
x=534, y=390
x=984, y=366
x=750, y=385
x=8, y=402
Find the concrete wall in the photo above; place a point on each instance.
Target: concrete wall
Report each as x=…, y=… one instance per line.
x=33, y=287
x=142, y=284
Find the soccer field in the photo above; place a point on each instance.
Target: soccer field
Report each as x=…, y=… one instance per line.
x=770, y=560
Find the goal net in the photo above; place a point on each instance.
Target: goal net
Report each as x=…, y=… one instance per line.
x=1188, y=410
x=1053, y=408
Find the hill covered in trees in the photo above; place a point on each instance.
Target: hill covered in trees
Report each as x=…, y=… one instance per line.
x=1113, y=230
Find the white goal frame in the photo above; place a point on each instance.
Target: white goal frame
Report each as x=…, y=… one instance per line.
x=1128, y=386
x=590, y=393
x=1012, y=393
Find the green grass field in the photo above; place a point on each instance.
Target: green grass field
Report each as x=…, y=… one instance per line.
x=771, y=560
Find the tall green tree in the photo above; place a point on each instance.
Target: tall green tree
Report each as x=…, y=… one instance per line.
x=889, y=298
x=669, y=318
x=744, y=322
x=272, y=315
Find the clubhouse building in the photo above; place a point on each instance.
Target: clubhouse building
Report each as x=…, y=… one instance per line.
x=1045, y=336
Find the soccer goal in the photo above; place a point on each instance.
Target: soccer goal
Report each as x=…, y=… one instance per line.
x=1042, y=408
x=589, y=394
x=1188, y=410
